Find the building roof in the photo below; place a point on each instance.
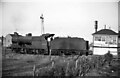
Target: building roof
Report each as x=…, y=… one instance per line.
x=106, y=32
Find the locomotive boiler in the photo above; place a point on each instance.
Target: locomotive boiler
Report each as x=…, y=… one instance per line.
x=31, y=44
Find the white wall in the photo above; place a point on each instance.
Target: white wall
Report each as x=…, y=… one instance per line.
x=102, y=51
x=7, y=41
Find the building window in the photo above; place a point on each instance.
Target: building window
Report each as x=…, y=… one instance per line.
x=114, y=41
x=103, y=38
x=111, y=40
x=98, y=38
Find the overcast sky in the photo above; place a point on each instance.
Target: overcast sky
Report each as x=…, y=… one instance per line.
x=62, y=17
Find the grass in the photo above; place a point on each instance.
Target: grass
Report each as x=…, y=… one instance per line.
x=40, y=65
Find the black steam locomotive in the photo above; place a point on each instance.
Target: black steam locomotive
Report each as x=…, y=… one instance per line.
x=45, y=44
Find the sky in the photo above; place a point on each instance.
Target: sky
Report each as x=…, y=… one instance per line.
x=64, y=18
x=119, y=16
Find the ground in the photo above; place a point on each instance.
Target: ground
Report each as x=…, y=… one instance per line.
x=14, y=64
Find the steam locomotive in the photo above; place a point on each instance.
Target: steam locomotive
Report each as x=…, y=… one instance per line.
x=46, y=44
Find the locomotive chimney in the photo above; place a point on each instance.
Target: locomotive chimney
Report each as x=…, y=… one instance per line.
x=16, y=34
x=96, y=26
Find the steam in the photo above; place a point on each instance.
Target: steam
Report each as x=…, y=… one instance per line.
x=17, y=20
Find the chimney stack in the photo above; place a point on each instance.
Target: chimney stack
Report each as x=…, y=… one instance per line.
x=105, y=27
x=96, y=26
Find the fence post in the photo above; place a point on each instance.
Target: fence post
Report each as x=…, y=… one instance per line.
x=53, y=62
x=66, y=73
x=76, y=62
x=34, y=69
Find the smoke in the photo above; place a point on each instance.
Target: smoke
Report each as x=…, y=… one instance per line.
x=17, y=20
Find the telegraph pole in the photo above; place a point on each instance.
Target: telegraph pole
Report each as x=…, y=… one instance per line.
x=118, y=29
x=2, y=41
x=42, y=24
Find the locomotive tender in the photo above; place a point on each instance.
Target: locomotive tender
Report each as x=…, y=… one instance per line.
x=56, y=46
x=69, y=45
